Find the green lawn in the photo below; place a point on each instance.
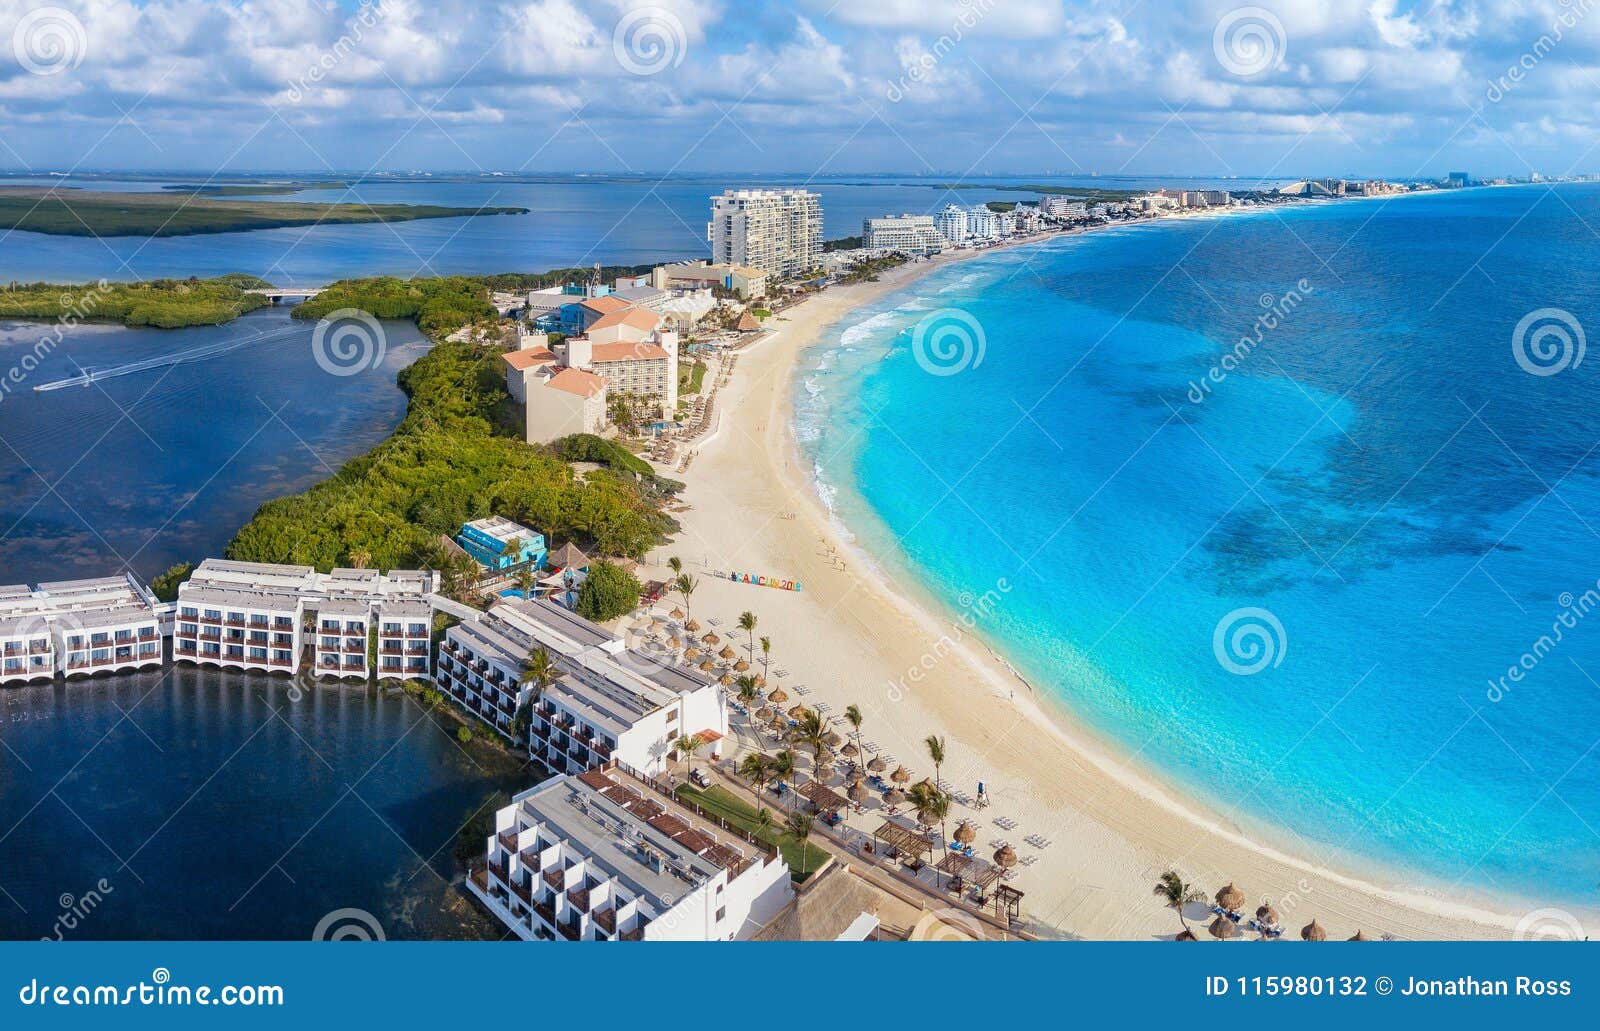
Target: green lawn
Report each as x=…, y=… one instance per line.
x=722, y=802
x=691, y=376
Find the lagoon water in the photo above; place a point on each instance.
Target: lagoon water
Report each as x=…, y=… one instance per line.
x=1410, y=511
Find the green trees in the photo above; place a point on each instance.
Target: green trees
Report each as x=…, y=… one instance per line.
x=609, y=592
x=163, y=303
x=166, y=585
x=747, y=623
x=1173, y=890
x=437, y=305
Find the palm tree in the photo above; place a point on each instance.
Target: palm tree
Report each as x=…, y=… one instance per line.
x=539, y=669
x=686, y=746
x=852, y=716
x=1177, y=893
x=756, y=767
x=809, y=732
x=764, y=821
x=361, y=558
x=784, y=768
x=747, y=623
x=512, y=550
x=676, y=565
x=931, y=804
x=935, y=745
x=799, y=827
x=524, y=580
x=686, y=587
x=748, y=692
x=766, y=657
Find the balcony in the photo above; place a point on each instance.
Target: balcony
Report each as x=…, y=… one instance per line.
x=579, y=897
x=508, y=840
x=556, y=877
x=606, y=920
x=544, y=910
x=569, y=932
x=633, y=935
x=523, y=891
x=418, y=636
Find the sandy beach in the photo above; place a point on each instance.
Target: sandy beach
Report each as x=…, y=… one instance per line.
x=851, y=638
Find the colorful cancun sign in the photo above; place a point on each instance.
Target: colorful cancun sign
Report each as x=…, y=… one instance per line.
x=765, y=581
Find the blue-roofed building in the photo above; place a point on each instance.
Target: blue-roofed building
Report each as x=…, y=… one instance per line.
x=485, y=540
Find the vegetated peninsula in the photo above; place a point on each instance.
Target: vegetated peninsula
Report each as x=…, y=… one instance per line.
x=455, y=456
x=163, y=303
x=92, y=213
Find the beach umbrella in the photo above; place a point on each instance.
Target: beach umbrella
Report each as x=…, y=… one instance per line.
x=725, y=653
x=692, y=625
x=848, y=751
x=1313, y=932
x=710, y=637
x=894, y=796
x=761, y=680
x=707, y=666
x=877, y=765
x=1005, y=857
x=928, y=783
x=858, y=792
x=741, y=666
x=901, y=775
x=677, y=613
x=691, y=652
x=1185, y=935
x=1360, y=936
x=1267, y=915
x=797, y=712
x=765, y=713
x=1230, y=897
x=778, y=697
x=832, y=739
x=675, y=641
x=777, y=718
x=966, y=833
x=1222, y=929
x=725, y=679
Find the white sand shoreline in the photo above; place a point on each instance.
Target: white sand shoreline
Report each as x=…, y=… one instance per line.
x=1113, y=827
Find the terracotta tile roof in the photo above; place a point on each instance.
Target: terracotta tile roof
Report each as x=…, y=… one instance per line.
x=634, y=318
x=623, y=351
x=604, y=305
x=524, y=360
x=576, y=381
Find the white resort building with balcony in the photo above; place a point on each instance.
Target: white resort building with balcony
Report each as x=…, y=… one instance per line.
x=606, y=703
x=76, y=628
x=253, y=616
x=605, y=855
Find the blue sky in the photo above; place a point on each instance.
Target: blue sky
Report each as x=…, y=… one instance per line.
x=1274, y=89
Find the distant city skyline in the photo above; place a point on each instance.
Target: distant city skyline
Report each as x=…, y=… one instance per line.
x=1012, y=87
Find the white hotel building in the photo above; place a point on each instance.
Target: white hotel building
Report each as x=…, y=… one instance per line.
x=607, y=856
x=77, y=627
x=907, y=234
x=608, y=703
x=778, y=232
x=253, y=616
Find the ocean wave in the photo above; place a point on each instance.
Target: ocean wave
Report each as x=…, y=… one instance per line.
x=864, y=329
x=829, y=496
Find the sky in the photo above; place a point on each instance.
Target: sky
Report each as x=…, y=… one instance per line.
x=947, y=87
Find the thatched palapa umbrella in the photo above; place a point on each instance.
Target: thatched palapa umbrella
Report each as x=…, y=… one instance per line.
x=1313, y=932
x=1222, y=929
x=741, y=666
x=691, y=652
x=894, y=797
x=692, y=625
x=676, y=613
x=707, y=666
x=1359, y=936
x=1230, y=898
x=832, y=739
x=966, y=833
x=798, y=711
x=765, y=713
x=725, y=653
x=849, y=750
x=778, y=697
x=725, y=679
x=1005, y=857
x=1185, y=935
x=1265, y=914
x=877, y=765
x=710, y=637
x=901, y=775
x=858, y=793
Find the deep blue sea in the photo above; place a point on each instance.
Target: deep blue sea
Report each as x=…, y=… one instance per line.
x=1295, y=594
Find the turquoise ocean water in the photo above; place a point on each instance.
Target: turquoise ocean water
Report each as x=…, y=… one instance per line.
x=1296, y=584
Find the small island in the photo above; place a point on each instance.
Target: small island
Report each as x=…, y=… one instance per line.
x=61, y=212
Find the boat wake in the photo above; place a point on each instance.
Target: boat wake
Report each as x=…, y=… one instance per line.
x=87, y=376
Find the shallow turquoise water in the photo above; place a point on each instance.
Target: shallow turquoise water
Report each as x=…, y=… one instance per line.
x=1409, y=508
